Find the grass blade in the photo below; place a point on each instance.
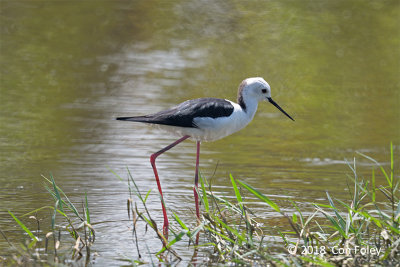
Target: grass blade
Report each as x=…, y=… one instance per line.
x=388, y=179
x=335, y=210
x=87, y=209
x=34, y=238
x=237, y=193
x=116, y=175
x=181, y=223
x=57, y=194
x=204, y=193
x=147, y=195
x=373, y=185
x=260, y=196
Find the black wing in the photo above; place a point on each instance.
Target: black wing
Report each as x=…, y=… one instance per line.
x=183, y=114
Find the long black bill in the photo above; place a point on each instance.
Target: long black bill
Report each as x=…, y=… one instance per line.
x=278, y=107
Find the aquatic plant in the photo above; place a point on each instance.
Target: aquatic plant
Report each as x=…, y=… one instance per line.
x=48, y=248
x=356, y=231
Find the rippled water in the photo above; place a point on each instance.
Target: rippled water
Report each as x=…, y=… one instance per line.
x=69, y=68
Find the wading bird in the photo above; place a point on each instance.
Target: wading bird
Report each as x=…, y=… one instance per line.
x=207, y=119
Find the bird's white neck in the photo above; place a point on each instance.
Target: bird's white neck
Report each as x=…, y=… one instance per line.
x=248, y=104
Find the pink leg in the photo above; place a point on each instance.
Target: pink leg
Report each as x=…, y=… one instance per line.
x=153, y=164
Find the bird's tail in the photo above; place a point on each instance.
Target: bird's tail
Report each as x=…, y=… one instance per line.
x=136, y=118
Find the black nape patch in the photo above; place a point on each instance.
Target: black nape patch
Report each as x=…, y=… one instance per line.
x=240, y=99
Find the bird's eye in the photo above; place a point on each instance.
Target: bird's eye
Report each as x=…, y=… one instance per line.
x=264, y=91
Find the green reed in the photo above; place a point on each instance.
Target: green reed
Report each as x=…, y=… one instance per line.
x=76, y=223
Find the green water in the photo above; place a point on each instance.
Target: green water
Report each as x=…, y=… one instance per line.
x=69, y=68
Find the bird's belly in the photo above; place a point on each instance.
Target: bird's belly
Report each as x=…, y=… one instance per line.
x=196, y=134
x=214, y=134
x=214, y=129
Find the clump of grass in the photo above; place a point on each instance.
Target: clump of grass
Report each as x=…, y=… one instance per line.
x=47, y=248
x=356, y=231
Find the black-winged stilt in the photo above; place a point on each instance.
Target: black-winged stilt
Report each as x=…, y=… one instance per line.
x=207, y=119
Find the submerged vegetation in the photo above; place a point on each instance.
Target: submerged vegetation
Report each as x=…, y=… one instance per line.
x=353, y=232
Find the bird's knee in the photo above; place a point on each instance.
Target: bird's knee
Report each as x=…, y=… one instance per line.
x=153, y=158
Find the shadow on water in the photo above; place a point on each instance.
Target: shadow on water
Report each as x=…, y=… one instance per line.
x=68, y=69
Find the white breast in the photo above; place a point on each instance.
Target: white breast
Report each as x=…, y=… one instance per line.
x=217, y=128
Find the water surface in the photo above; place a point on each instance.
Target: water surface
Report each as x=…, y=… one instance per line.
x=69, y=68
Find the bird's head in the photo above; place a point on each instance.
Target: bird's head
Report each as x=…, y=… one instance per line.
x=258, y=89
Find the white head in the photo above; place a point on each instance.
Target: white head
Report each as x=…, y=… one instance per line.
x=256, y=89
